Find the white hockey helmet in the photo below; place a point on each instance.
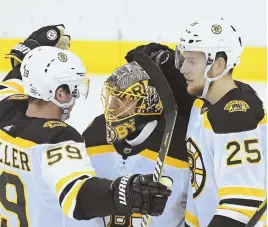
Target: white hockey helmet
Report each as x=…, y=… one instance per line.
x=46, y=68
x=211, y=35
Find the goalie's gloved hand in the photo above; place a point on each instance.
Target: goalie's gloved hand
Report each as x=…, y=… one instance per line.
x=140, y=194
x=162, y=55
x=52, y=35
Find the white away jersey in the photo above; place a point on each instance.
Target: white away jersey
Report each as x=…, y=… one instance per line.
x=43, y=164
x=226, y=145
x=110, y=164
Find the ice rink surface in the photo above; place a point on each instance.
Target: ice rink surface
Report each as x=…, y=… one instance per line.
x=86, y=110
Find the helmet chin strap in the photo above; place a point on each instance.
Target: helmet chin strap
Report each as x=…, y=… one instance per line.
x=65, y=107
x=209, y=80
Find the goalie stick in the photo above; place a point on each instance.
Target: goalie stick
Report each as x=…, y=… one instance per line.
x=170, y=111
x=258, y=214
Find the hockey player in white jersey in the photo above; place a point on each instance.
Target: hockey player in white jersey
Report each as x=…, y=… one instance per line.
x=44, y=168
x=226, y=136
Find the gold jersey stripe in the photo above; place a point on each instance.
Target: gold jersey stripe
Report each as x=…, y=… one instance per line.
x=191, y=218
x=264, y=120
x=168, y=161
x=8, y=92
x=248, y=213
x=17, y=141
x=206, y=122
x=68, y=200
x=241, y=191
x=13, y=85
x=102, y=149
x=72, y=177
x=198, y=103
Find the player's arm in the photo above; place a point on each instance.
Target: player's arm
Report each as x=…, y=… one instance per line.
x=239, y=168
x=95, y=136
x=165, y=59
x=68, y=172
x=11, y=83
x=52, y=35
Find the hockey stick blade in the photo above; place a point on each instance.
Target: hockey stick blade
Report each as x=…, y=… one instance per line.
x=170, y=111
x=258, y=214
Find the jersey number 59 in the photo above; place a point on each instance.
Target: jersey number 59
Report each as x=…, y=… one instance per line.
x=56, y=154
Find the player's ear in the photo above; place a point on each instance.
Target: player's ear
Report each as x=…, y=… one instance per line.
x=60, y=95
x=218, y=67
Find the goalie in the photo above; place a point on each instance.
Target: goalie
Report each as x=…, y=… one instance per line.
x=128, y=135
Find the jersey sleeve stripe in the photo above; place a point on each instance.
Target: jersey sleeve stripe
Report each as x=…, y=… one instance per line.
x=68, y=179
x=190, y=219
x=168, y=161
x=68, y=188
x=13, y=86
x=6, y=92
x=264, y=120
x=247, y=212
x=103, y=149
x=70, y=198
x=241, y=191
x=242, y=202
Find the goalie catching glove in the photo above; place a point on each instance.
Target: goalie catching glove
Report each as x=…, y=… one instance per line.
x=140, y=194
x=52, y=35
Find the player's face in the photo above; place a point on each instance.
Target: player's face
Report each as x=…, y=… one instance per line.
x=70, y=108
x=66, y=98
x=193, y=69
x=121, y=107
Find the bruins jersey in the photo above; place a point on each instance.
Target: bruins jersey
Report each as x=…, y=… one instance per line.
x=227, y=145
x=113, y=160
x=43, y=164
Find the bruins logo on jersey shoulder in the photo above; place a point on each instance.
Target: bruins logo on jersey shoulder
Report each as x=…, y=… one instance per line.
x=53, y=124
x=236, y=105
x=196, y=166
x=18, y=97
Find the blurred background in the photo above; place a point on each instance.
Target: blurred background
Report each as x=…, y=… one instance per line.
x=103, y=31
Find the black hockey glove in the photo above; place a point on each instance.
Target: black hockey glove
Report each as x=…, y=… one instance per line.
x=140, y=194
x=52, y=35
x=162, y=55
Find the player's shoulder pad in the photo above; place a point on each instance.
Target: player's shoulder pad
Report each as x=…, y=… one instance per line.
x=95, y=134
x=11, y=105
x=239, y=110
x=62, y=132
x=46, y=131
x=17, y=97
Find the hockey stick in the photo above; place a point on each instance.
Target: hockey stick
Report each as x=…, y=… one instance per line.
x=170, y=111
x=258, y=214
